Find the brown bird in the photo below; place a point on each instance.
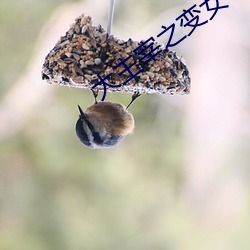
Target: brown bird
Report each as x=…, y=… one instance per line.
x=104, y=124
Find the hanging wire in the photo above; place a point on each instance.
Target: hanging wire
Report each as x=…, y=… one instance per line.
x=110, y=16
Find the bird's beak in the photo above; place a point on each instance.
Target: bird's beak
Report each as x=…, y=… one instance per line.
x=82, y=115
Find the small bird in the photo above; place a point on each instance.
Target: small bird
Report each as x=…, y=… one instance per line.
x=104, y=124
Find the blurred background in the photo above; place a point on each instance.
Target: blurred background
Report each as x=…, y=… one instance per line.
x=180, y=182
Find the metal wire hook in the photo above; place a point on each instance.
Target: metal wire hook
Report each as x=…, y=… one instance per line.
x=110, y=16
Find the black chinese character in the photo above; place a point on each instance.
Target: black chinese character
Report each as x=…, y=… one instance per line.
x=185, y=12
x=127, y=68
x=189, y=11
x=143, y=47
x=194, y=25
x=172, y=27
x=102, y=81
x=215, y=8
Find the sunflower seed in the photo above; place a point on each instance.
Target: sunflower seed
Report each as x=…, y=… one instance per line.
x=85, y=46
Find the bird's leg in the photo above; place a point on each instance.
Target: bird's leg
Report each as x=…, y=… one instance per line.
x=134, y=97
x=95, y=94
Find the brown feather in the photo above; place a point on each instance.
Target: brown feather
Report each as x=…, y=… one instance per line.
x=111, y=117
